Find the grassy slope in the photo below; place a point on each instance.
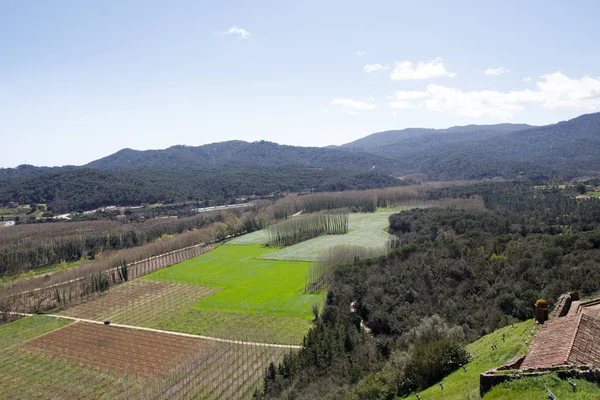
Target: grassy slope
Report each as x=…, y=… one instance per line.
x=465, y=385
x=249, y=283
x=367, y=230
x=462, y=385
x=24, y=329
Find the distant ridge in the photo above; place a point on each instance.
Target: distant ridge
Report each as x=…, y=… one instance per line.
x=228, y=170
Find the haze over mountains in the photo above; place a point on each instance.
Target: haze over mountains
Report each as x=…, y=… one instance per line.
x=232, y=169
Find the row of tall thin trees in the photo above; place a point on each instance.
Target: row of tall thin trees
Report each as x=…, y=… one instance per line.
x=319, y=274
x=304, y=227
x=356, y=200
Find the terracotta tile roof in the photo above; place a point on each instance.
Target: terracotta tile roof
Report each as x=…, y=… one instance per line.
x=586, y=346
x=552, y=344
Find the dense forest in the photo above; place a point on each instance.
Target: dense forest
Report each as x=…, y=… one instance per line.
x=88, y=188
x=454, y=276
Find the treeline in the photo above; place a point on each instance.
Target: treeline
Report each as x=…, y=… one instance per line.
x=108, y=261
x=356, y=201
x=304, y=227
x=27, y=247
x=476, y=271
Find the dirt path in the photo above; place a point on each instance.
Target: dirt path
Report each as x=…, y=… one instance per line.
x=284, y=346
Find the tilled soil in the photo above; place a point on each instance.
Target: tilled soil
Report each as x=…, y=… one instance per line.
x=123, y=350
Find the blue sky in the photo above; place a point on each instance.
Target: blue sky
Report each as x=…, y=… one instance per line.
x=81, y=80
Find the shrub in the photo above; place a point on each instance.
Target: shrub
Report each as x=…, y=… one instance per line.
x=430, y=362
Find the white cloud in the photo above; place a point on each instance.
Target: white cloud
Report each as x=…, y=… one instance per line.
x=371, y=98
x=361, y=53
x=395, y=114
x=234, y=30
x=560, y=91
x=424, y=70
x=496, y=71
x=475, y=104
x=553, y=91
x=353, y=104
x=353, y=113
x=526, y=79
x=324, y=110
x=374, y=67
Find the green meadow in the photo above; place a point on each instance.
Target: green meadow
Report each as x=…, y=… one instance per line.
x=261, y=295
x=249, y=283
x=462, y=385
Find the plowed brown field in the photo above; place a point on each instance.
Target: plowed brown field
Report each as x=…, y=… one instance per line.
x=128, y=351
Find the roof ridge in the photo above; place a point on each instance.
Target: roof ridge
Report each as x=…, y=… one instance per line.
x=580, y=315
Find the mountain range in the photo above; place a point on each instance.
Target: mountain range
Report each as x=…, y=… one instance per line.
x=227, y=170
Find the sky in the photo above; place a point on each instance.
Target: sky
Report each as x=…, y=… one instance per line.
x=80, y=80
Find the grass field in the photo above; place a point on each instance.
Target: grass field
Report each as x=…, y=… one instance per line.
x=24, y=329
x=462, y=385
x=174, y=307
x=367, y=230
x=249, y=283
x=238, y=326
x=535, y=389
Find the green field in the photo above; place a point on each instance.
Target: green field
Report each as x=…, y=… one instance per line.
x=250, y=284
x=261, y=297
x=367, y=230
x=24, y=329
x=238, y=326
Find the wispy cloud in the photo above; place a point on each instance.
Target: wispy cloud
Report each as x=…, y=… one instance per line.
x=526, y=79
x=361, y=53
x=353, y=104
x=406, y=70
x=374, y=67
x=234, y=30
x=496, y=71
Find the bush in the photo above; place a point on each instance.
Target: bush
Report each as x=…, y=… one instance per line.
x=430, y=362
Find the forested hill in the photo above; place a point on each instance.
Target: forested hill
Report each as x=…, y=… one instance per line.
x=228, y=170
x=565, y=149
x=417, y=138
x=236, y=154
x=218, y=172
